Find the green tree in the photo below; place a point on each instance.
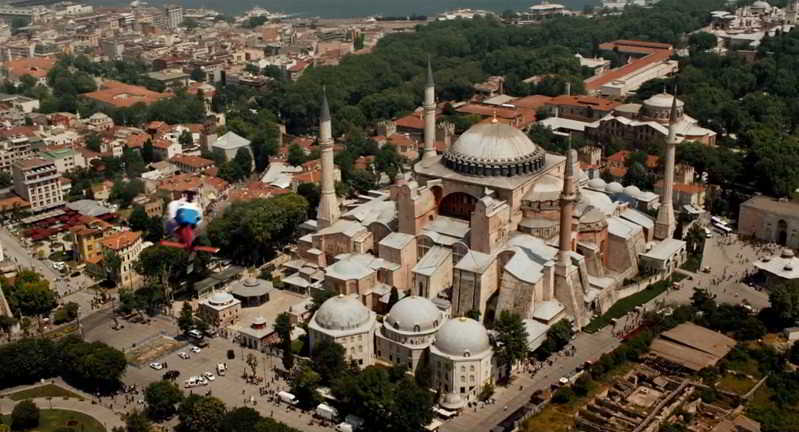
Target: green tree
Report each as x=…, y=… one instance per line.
x=473, y=314
x=136, y=421
x=25, y=415
x=784, y=299
x=243, y=162
x=185, y=139
x=249, y=232
x=91, y=365
x=296, y=155
x=511, y=339
x=5, y=179
x=200, y=414
x=186, y=318
x=695, y=240
x=558, y=336
x=312, y=193
x=112, y=264
x=93, y=142
x=252, y=362
x=197, y=74
x=241, y=419
x=147, y=152
x=283, y=329
x=702, y=41
x=162, y=398
x=138, y=219
x=304, y=383
x=6, y=324
x=328, y=358
x=164, y=267
x=30, y=294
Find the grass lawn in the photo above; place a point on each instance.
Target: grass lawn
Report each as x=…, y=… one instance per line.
x=748, y=366
x=47, y=390
x=560, y=418
x=51, y=420
x=621, y=307
x=735, y=384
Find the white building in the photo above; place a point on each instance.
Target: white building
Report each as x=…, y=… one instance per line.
x=346, y=321
x=460, y=360
x=407, y=331
x=36, y=181
x=230, y=143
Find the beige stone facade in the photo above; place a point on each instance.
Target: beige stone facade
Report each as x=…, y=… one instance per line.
x=771, y=220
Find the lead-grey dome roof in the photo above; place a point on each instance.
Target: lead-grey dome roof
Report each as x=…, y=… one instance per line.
x=462, y=337
x=342, y=313
x=494, y=149
x=414, y=311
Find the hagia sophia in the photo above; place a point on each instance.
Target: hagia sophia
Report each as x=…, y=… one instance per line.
x=494, y=223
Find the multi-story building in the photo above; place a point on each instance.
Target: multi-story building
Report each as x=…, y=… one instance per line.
x=36, y=181
x=87, y=240
x=127, y=245
x=64, y=159
x=173, y=16
x=13, y=149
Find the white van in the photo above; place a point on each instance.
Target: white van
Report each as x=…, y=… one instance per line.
x=195, y=381
x=220, y=369
x=195, y=334
x=326, y=411
x=288, y=398
x=344, y=427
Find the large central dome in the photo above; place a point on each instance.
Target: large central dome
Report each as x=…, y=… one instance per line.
x=494, y=149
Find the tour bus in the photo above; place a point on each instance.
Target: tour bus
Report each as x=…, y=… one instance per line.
x=722, y=227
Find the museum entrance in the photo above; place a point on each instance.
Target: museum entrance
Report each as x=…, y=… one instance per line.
x=458, y=205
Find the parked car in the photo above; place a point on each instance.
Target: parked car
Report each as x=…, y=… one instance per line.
x=209, y=376
x=184, y=355
x=156, y=365
x=195, y=349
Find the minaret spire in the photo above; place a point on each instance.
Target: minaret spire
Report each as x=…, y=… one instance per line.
x=666, y=223
x=328, y=211
x=429, y=114
x=568, y=197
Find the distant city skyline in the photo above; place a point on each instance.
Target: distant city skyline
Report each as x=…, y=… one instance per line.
x=356, y=8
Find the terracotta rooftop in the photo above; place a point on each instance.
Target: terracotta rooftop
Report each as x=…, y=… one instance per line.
x=655, y=52
x=532, y=102
x=411, y=121
x=37, y=67
x=122, y=95
x=192, y=161
x=121, y=240
x=693, y=188
x=585, y=101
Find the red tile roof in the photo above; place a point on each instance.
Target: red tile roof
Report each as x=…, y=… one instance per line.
x=655, y=52
x=121, y=240
x=37, y=67
x=192, y=161
x=585, y=101
x=122, y=95
x=411, y=121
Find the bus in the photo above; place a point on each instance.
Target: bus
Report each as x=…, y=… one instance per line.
x=723, y=228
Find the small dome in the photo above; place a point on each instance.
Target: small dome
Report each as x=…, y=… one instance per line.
x=221, y=298
x=761, y=5
x=259, y=321
x=462, y=336
x=632, y=191
x=787, y=253
x=597, y=184
x=662, y=100
x=614, y=188
x=348, y=269
x=414, y=314
x=342, y=313
x=494, y=149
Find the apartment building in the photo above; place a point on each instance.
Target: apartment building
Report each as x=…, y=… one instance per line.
x=13, y=149
x=127, y=245
x=37, y=181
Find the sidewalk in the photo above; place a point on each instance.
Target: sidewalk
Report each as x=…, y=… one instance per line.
x=108, y=418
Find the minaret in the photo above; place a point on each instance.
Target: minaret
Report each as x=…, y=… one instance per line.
x=429, y=115
x=568, y=197
x=567, y=276
x=665, y=223
x=328, y=212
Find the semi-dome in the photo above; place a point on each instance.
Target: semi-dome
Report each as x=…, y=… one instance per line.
x=462, y=337
x=494, y=149
x=614, y=188
x=342, y=313
x=662, y=100
x=414, y=314
x=220, y=298
x=597, y=183
x=760, y=4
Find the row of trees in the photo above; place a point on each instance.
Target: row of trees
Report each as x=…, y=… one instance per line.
x=195, y=413
x=89, y=366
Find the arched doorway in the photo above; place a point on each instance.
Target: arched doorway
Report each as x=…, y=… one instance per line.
x=458, y=205
x=782, y=232
x=437, y=192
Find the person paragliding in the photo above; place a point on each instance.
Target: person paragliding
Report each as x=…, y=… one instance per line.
x=184, y=215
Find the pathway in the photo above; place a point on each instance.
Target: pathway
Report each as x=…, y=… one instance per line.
x=108, y=418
